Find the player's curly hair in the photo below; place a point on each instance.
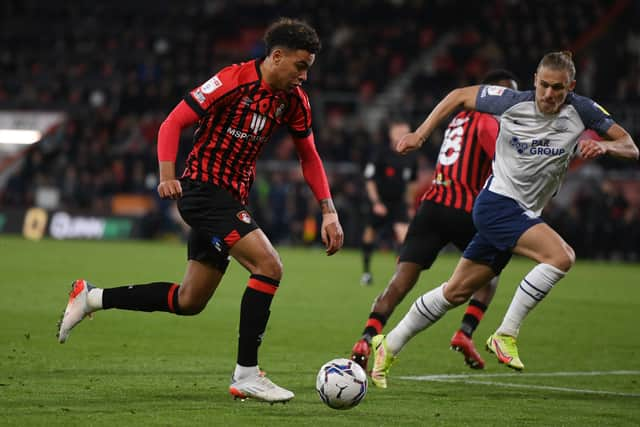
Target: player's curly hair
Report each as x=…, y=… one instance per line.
x=291, y=34
x=494, y=76
x=559, y=61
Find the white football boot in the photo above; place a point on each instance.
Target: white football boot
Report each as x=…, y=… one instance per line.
x=259, y=387
x=77, y=309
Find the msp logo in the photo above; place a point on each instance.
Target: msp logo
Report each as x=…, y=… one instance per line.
x=244, y=217
x=217, y=243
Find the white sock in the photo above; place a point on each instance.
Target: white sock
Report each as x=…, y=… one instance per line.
x=243, y=372
x=424, y=312
x=94, y=299
x=533, y=288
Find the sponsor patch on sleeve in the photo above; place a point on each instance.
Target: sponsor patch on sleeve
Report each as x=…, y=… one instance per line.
x=210, y=85
x=199, y=96
x=495, y=90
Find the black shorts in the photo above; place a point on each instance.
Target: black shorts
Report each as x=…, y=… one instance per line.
x=217, y=222
x=396, y=213
x=433, y=227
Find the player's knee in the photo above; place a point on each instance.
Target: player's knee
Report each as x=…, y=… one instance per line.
x=270, y=267
x=190, y=304
x=456, y=293
x=566, y=259
x=190, y=307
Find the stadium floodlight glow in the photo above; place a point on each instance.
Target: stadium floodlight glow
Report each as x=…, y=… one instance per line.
x=19, y=136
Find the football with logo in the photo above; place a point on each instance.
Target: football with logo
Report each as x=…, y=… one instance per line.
x=341, y=384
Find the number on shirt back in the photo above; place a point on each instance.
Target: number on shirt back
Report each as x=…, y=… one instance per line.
x=450, y=149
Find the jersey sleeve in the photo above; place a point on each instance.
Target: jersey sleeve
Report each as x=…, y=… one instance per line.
x=299, y=120
x=498, y=99
x=312, y=168
x=488, y=133
x=169, y=132
x=213, y=91
x=592, y=114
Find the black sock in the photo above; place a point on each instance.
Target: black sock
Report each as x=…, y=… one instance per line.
x=254, y=315
x=374, y=326
x=367, y=250
x=472, y=316
x=156, y=296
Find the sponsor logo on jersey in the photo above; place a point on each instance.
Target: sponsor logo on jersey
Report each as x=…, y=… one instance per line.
x=210, y=85
x=244, y=217
x=536, y=147
x=244, y=135
x=439, y=180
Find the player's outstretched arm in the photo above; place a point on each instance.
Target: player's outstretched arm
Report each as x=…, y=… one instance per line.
x=620, y=144
x=463, y=97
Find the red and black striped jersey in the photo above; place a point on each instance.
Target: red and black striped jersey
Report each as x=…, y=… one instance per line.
x=464, y=162
x=238, y=113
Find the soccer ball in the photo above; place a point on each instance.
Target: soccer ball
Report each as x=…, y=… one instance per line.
x=341, y=383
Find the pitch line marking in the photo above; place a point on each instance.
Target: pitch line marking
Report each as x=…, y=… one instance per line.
x=469, y=379
x=518, y=375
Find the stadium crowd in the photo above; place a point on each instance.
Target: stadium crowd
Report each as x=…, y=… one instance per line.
x=116, y=68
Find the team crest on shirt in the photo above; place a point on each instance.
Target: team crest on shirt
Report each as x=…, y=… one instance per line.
x=280, y=109
x=244, y=217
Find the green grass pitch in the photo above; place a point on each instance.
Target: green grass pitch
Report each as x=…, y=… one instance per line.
x=581, y=346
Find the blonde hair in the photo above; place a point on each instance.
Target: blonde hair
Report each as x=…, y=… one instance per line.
x=559, y=61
